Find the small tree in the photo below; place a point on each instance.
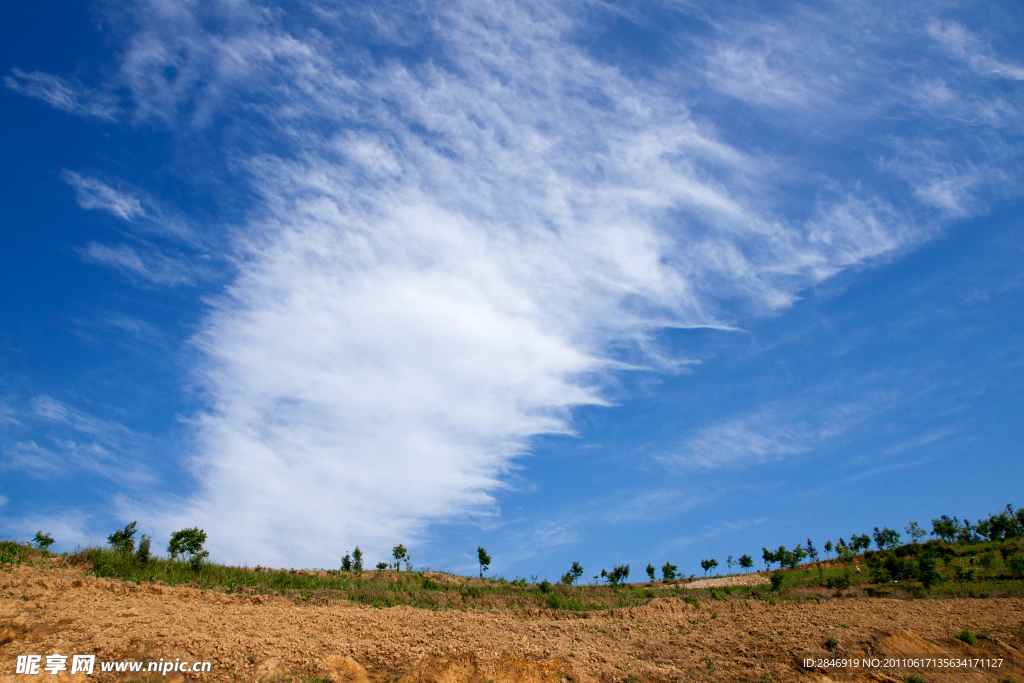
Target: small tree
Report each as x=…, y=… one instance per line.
x=860, y=543
x=746, y=561
x=650, y=570
x=668, y=571
x=946, y=528
x=886, y=538
x=346, y=563
x=1015, y=563
x=123, y=540
x=915, y=532
x=928, y=571
x=399, y=553
x=708, y=565
x=189, y=544
x=42, y=541
x=143, y=554
x=575, y=572
x=357, y=561
x=768, y=556
x=382, y=565
x=796, y=556
x=617, y=575
x=484, y=559
x=729, y=562
x=828, y=548
x=812, y=552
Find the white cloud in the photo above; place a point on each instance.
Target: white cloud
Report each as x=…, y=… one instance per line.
x=152, y=266
x=76, y=442
x=93, y=193
x=62, y=95
x=771, y=434
x=452, y=254
x=966, y=45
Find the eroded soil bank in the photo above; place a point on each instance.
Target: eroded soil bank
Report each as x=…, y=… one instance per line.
x=264, y=639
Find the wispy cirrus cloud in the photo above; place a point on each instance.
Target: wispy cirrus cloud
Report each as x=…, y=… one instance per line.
x=968, y=46
x=77, y=442
x=63, y=95
x=150, y=265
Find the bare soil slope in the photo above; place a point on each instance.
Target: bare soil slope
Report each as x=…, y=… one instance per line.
x=261, y=639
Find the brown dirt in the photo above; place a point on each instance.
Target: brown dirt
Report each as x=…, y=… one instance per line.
x=263, y=639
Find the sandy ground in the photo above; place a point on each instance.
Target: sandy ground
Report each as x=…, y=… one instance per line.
x=263, y=640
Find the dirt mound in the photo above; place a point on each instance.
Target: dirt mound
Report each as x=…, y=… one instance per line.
x=268, y=639
x=746, y=580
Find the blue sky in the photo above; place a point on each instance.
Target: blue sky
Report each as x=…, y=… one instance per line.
x=609, y=283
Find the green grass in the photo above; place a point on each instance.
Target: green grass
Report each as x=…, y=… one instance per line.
x=437, y=590
x=424, y=589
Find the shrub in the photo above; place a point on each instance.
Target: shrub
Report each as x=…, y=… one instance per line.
x=1016, y=564
x=123, y=539
x=43, y=541
x=967, y=637
x=831, y=644
x=776, y=579
x=189, y=544
x=545, y=586
x=912, y=678
x=987, y=559
x=382, y=565
x=928, y=571
x=841, y=582
x=962, y=573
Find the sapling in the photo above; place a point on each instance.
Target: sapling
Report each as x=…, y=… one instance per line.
x=357, y=561
x=812, y=552
x=828, y=548
x=399, y=553
x=189, y=544
x=143, y=554
x=708, y=565
x=650, y=570
x=668, y=571
x=123, y=540
x=484, y=559
x=729, y=562
x=346, y=563
x=42, y=541
x=746, y=561
x=915, y=531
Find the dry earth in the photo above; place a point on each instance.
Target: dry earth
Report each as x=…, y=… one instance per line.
x=260, y=639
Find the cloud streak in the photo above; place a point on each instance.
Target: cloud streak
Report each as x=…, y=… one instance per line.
x=62, y=95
